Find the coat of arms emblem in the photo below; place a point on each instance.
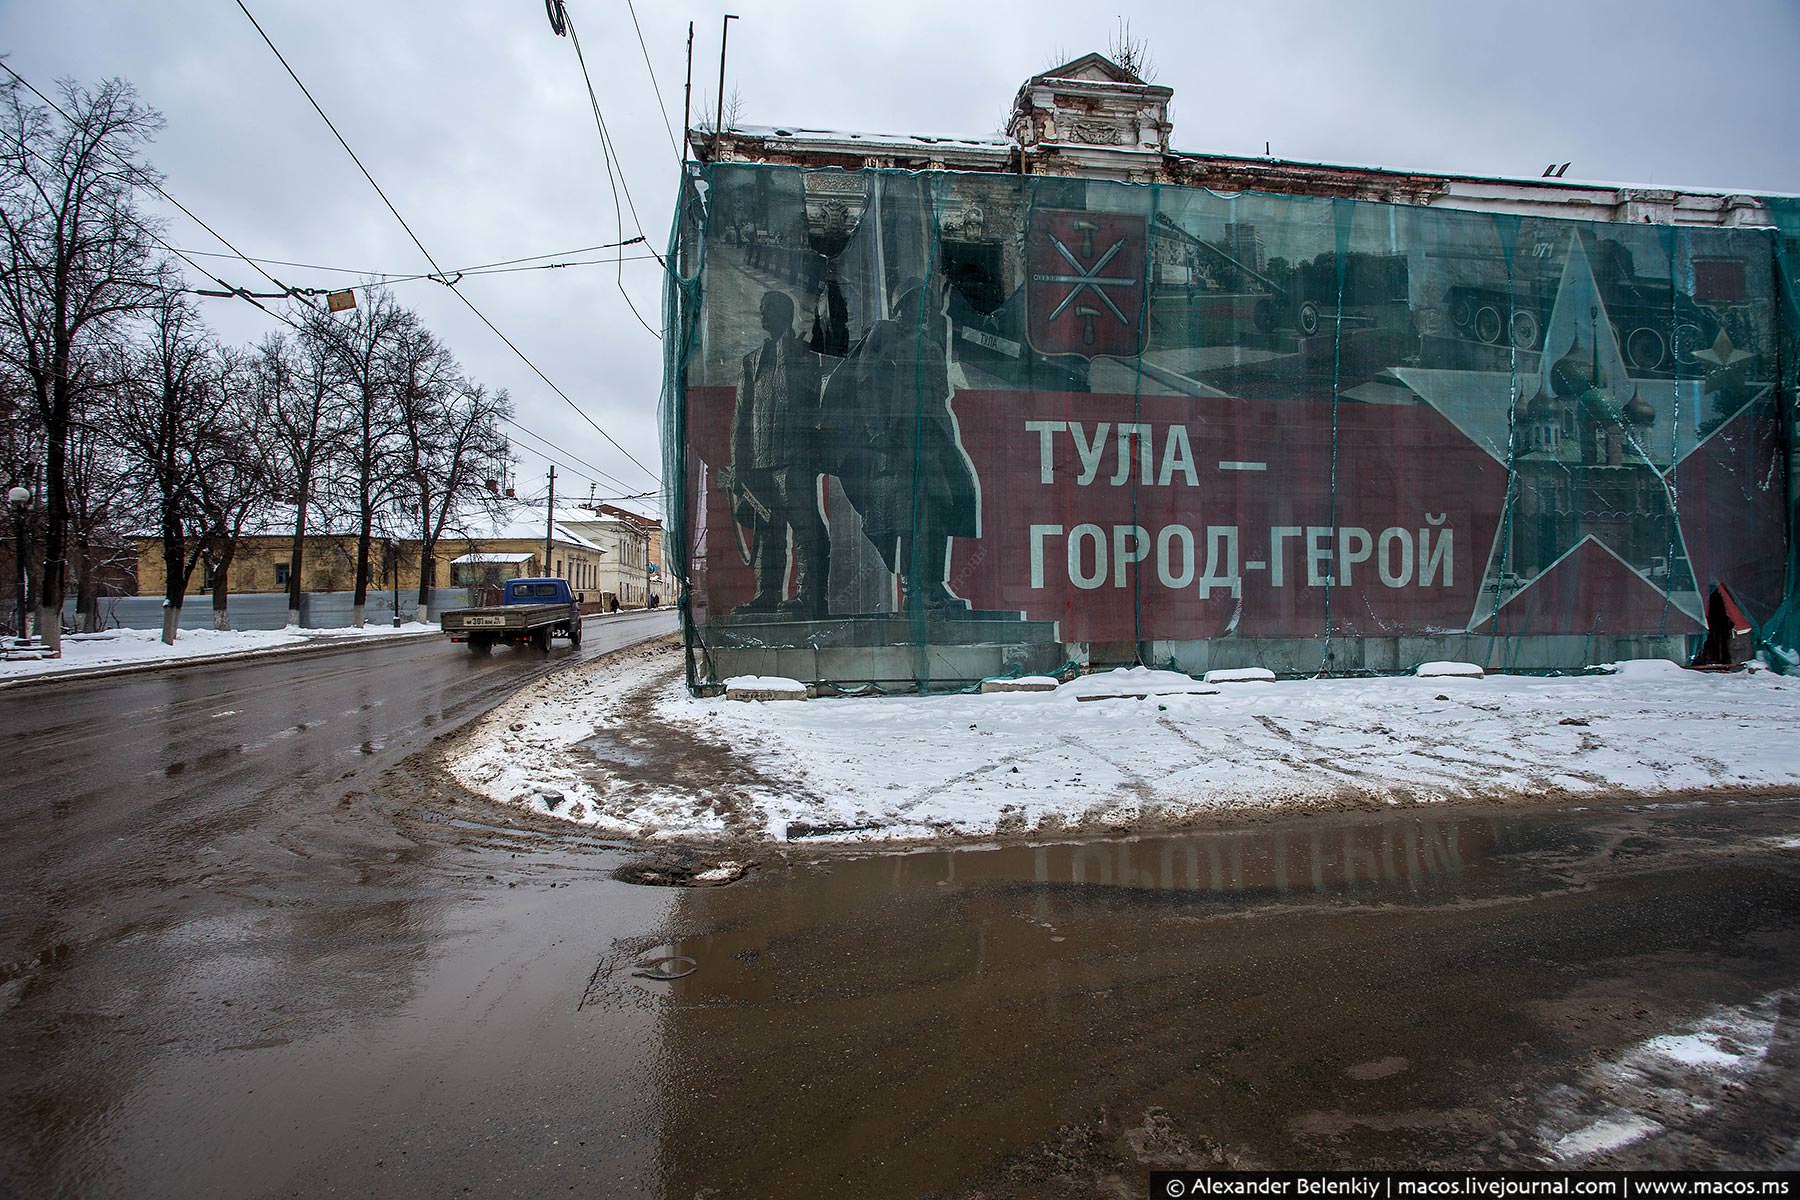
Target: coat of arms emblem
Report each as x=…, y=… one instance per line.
x=1085, y=291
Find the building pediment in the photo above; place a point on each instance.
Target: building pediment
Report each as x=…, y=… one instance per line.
x=1093, y=68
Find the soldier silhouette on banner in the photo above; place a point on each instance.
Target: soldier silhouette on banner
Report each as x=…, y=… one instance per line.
x=773, y=479
x=887, y=409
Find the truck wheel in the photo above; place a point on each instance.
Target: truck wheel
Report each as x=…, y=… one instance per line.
x=575, y=632
x=540, y=637
x=1308, y=319
x=480, y=645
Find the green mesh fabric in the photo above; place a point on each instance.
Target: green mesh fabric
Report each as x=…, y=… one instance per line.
x=921, y=430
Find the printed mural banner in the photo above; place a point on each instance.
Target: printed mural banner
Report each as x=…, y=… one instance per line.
x=925, y=428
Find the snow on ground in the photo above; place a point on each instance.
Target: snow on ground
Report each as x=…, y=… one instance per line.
x=1663, y=1083
x=909, y=767
x=123, y=647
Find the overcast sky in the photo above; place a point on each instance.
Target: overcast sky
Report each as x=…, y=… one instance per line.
x=473, y=117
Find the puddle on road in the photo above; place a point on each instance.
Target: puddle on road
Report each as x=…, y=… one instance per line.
x=989, y=1000
x=1044, y=901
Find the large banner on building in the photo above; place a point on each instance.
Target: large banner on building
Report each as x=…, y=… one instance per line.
x=1073, y=418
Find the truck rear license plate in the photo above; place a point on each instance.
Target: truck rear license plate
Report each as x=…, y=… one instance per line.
x=472, y=622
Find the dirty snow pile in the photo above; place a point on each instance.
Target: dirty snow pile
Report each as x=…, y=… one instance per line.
x=1115, y=750
x=126, y=647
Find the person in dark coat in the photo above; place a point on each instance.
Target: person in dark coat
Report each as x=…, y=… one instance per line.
x=887, y=410
x=773, y=478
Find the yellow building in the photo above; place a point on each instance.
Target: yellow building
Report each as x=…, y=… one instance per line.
x=262, y=561
x=478, y=557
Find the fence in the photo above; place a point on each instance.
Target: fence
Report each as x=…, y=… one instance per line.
x=269, y=610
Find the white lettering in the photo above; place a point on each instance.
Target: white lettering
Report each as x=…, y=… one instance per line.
x=1169, y=535
x=1278, y=553
x=1178, y=455
x=1097, y=536
x=1125, y=432
x=1038, y=534
x=1433, y=555
x=1402, y=575
x=1123, y=557
x=1046, y=451
x=1353, y=547
x=1318, y=554
x=1089, y=452
x=1221, y=573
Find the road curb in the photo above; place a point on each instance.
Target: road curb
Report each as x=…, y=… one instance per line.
x=322, y=645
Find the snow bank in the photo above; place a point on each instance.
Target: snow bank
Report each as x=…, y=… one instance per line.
x=764, y=687
x=1450, y=670
x=1241, y=675
x=975, y=765
x=1135, y=682
x=126, y=647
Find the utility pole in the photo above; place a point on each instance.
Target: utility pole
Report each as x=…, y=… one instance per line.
x=719, y=118
x=550, y=521
x=19, y=498
x=687, y=94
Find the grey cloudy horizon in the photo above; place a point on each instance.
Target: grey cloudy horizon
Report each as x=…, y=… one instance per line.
x=474, y=118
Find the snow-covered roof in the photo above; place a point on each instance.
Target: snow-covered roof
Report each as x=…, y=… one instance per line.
x=473, y=560
x=799, y=133
x=520, y=523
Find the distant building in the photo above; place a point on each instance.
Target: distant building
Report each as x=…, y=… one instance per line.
x=480, y=556
x=625, y=537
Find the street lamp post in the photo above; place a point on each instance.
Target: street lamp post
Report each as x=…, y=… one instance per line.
x=20, y=499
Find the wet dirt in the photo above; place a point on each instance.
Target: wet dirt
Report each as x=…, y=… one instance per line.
x=1365, y=991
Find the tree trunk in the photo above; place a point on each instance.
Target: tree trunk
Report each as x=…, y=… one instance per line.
x=427, y=580
x=87, y=587
x=174, y=581
x=56, y=513
x=221, y=594
x=363, y=537
x=296, y=557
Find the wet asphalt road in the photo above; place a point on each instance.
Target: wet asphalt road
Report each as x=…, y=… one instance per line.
x=240, y=956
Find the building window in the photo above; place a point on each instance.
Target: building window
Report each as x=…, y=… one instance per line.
x=281, y=575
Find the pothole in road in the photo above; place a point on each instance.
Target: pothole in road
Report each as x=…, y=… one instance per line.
x=683, y=868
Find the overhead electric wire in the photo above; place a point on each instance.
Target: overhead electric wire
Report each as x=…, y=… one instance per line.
x=255, y=298
x=428, y=256
x=403, y=276
x=655, y=88
x=615, y=175
x=154, y=184
x=385, y=278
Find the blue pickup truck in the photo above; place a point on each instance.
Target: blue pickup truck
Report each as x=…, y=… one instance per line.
x=530, y=610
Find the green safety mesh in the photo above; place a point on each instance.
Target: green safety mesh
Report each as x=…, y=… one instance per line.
x=924, y=429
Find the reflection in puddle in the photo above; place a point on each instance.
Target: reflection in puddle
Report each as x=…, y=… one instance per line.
x=1037, y=900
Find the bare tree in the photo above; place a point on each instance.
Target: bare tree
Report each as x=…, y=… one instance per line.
x=170, y=419
x=233, y=489
x=21, y=464
x=451, y=445
x=363, y=347
x=297, y=392
x=99, y=493
x=77, y=261
x=707, y=114
x=1132, y=53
